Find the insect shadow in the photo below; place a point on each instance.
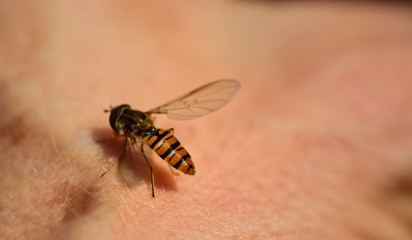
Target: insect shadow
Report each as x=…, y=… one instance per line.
x=132, y=168
x=399, y=194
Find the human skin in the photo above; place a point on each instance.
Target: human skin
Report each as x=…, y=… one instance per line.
x=316, y=145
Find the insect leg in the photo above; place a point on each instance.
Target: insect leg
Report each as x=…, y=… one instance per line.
x=172, y=130
x=151, y=169
x=120, y=155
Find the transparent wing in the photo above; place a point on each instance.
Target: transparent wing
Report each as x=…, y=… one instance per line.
x=199, y=102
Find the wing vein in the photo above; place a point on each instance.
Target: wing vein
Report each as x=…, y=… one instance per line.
x=199, y=102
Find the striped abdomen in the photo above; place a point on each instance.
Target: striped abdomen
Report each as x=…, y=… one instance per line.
x=169, y=148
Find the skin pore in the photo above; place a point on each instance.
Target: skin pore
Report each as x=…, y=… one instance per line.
x=316, y=145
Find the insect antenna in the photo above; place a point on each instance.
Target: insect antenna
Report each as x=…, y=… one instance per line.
x=109, y=110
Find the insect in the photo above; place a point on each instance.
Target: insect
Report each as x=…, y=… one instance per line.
x=135, y=125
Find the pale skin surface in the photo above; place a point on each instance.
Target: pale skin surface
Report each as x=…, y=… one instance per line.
x=317, y=144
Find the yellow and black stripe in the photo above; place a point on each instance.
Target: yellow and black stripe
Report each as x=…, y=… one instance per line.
x=169, y=148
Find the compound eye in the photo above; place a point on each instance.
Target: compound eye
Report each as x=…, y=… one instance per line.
x=114, y=115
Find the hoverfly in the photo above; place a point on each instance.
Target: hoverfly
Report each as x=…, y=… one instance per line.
x=136, y=125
